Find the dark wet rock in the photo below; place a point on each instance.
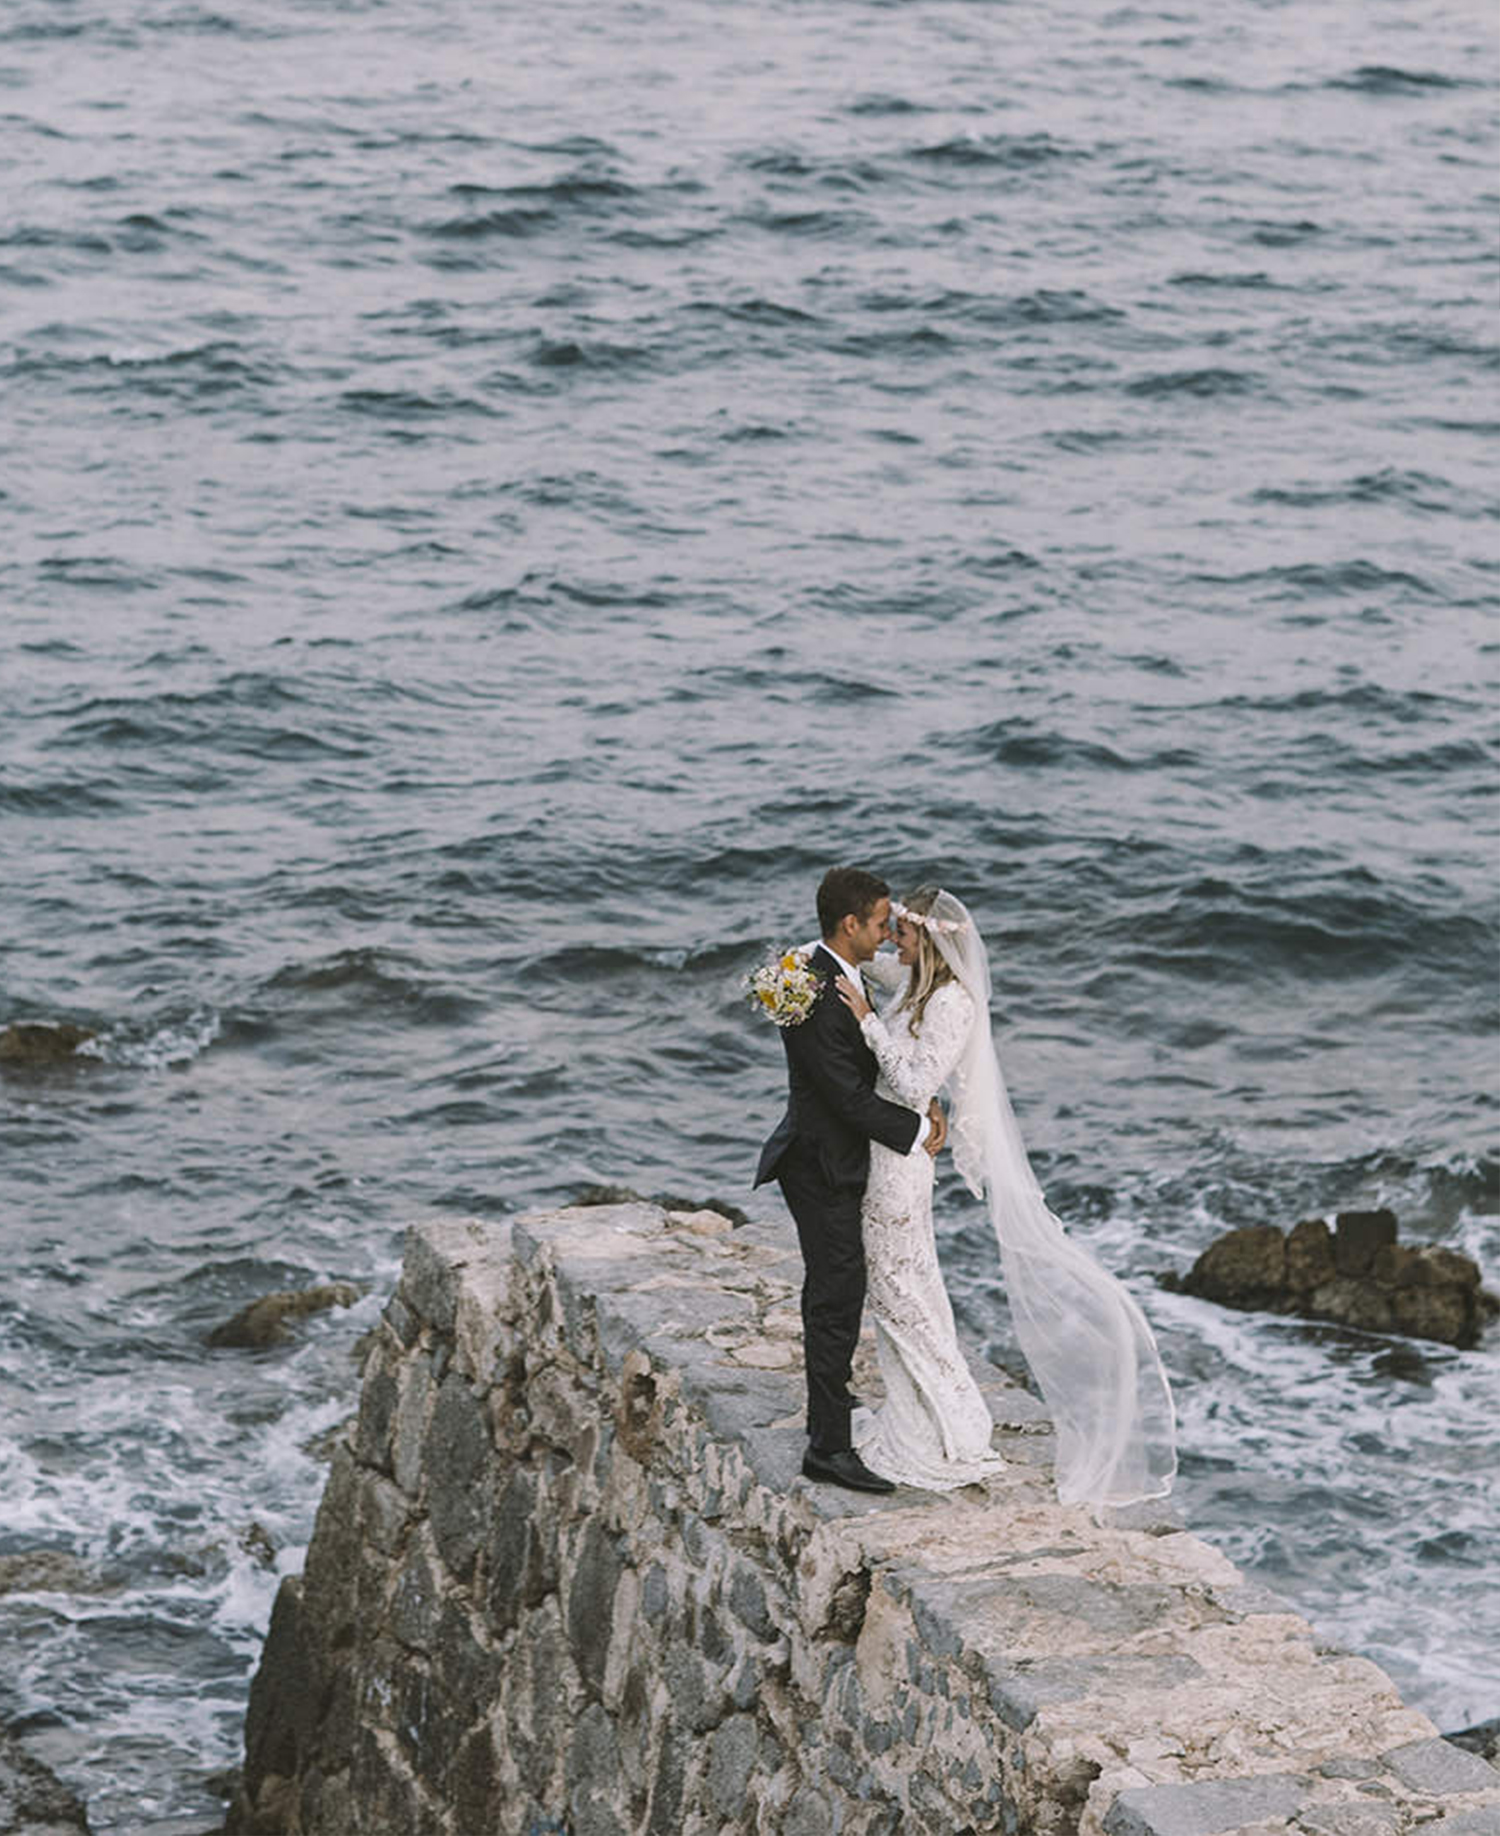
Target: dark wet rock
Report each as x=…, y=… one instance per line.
x=323, y=1445
x=264, y=1321
x=33, y=1801
x=1357, y=1275
x=1358, y=1236
x=51, y=1571
x=280, y=1720
x=669, y=1201
x=457, y=1448
x=1433, y=1313
x=1483, y=1738
x=1361, y=1304
x=1309, y=1255
x=258, y=1543
x=591, y=1601
x=29, y=1045
x=1246, y=1268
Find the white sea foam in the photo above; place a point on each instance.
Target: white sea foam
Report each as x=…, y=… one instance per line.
x=172, y=1044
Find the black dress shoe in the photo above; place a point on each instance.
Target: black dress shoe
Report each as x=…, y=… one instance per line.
x=843, y=1468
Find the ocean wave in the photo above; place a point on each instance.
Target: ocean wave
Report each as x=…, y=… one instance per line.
x=364, y=985
x=1010, y=742
x=207, y=371
x=1041, y=306
x=412, y=404
x=104, y=571
x=1005, y=152
x=153, y=729
x=1336, y=579
x=1389, y=80
x=1285, y=234
x=833, y=225
x=1252, y=279
x=1350, y=926
x=1424, y=491
x=160, y=1046
x=1202, y=384
x=511, y=211
x=752, y=311
x=828, y=174
x=61, y=797
x=562, y=354
x=882, y=103
x=1365, y=701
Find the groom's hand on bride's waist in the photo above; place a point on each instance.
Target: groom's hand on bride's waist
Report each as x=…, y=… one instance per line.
x=938, y=1133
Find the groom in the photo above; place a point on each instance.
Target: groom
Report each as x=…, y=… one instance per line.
x=820, y=1156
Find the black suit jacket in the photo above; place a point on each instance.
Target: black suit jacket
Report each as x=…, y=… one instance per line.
x=832, y=1103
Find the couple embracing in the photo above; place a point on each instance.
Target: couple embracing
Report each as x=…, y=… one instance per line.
x=854, y=1159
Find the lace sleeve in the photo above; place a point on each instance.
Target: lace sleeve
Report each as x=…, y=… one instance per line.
x=916, y=1069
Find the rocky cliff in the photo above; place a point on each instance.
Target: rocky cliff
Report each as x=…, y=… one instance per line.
x=566, y=1579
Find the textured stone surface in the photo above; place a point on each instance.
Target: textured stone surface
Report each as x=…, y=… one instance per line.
x=1485, y=1821
x=1244, y=1268
x=26, y=1044
x=1357, y=1238
x=566, y=1577
x=1309, y=1255
x=32, y=1801
x=1203, y=1809
x=1438, y=1766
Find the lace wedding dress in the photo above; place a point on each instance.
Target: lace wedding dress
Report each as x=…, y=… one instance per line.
x=1090, y=1348
x=934, y=1428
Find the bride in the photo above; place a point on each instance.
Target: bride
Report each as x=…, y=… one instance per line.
x=1087, y=1343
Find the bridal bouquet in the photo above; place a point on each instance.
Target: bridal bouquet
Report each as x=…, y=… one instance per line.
x=784, y=989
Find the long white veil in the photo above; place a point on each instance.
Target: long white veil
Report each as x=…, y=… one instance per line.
x=1087, y=1342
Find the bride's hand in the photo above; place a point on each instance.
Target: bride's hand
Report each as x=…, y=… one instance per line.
x=853, y=997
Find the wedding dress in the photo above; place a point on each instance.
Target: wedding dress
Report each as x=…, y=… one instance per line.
x=934, y=1428
x=1089, y=1347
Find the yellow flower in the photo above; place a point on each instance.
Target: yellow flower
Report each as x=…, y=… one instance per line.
x=789, y=961
x=767, y=999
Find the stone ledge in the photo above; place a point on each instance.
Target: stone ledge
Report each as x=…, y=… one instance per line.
x=567, y=1575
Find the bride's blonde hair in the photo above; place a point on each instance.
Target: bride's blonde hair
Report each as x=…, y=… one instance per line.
x=929, y=971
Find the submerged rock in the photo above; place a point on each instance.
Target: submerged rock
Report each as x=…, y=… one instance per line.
x=33, y=1801
x=669, y=1201
x=50, y=1571
x=28, y=1044
x=263, y=1322
x=1483, y=1739
x=258, y=1543
x=1355, y=1275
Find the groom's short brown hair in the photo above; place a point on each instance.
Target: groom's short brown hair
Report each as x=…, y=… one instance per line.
x=845, y=890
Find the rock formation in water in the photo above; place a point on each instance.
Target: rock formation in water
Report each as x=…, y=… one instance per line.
x=264, y=1321
x=29, y=1045
x=566, y=1578
x=1355, y=1275
x=33, y=1802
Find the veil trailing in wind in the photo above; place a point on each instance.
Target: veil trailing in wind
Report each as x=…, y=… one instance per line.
x=1087, y=1342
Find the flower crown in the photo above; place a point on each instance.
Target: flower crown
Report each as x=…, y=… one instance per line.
x=943, y=927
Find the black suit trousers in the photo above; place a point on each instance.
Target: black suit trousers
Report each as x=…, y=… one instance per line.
x=833, y=1288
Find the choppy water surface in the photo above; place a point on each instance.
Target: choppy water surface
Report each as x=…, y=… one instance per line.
x=497, y=499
